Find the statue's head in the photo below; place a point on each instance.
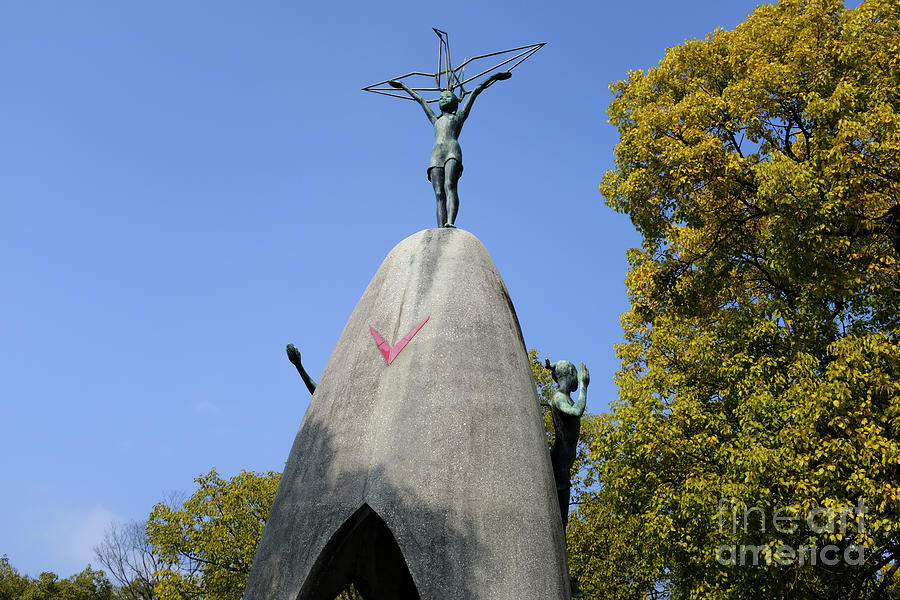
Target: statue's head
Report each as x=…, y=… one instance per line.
x=565, y=375
x=449, y=102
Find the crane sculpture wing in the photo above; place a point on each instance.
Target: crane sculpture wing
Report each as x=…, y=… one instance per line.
x=448, y=77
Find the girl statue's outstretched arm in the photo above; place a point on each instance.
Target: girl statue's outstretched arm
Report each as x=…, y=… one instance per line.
x=467, y=104
x=402, y=86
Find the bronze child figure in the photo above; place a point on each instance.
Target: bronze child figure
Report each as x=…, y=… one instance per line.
x=445, y=167
x=567, y=426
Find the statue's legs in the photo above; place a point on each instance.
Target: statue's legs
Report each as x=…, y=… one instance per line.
x=452, y=173
x=436, y=174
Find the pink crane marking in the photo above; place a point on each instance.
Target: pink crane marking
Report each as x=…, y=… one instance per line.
x=391, y=353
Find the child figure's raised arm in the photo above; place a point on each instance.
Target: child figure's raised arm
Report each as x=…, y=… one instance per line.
x=467, y=104
x=402, y=86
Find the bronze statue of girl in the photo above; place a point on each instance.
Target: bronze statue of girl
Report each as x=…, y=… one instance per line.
x=445, y=167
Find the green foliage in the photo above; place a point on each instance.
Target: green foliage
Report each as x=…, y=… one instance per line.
x=206, y=546
x=87, y=585
x=350, y=594
x=12, y=585
x=762, y=346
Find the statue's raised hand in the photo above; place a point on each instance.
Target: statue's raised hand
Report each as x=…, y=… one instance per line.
x=293, y=355
x=584, y=376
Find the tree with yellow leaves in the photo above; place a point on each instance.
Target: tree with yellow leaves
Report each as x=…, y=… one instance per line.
x=205, y=547
x=755, y=447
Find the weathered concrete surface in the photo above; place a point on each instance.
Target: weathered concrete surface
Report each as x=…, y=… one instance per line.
x=446, y=444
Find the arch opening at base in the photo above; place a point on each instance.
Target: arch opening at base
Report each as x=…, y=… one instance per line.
x=362, y=552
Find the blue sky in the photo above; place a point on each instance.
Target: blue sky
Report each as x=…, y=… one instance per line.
x=185, y=187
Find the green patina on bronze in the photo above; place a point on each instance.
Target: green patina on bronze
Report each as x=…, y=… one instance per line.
x=567, y=426
x=445, y=167
x=294, y=357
